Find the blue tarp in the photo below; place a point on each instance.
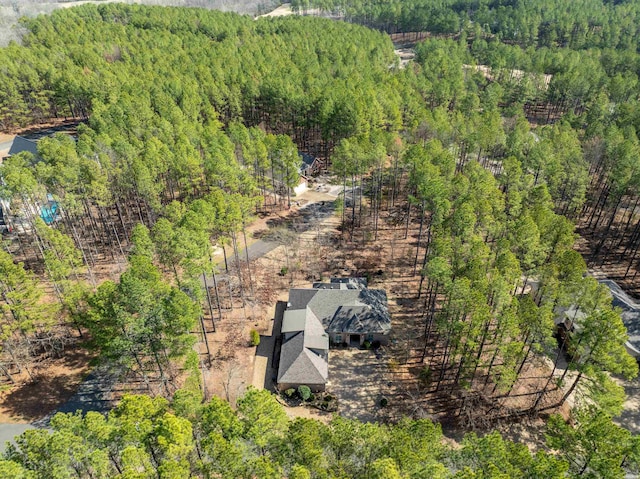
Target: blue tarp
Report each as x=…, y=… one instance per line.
x=49, y=212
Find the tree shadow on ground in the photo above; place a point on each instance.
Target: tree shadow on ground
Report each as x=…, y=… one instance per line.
x=50, y=388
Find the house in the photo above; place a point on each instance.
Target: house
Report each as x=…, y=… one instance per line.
x=47, y=209
x=304, y=353
x=630, y=315
x=18, y=145
x=310, y=165
x=343, y=311
x=568, y=319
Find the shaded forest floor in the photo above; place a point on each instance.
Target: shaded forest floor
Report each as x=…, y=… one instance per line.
x=389, y=262
x=54, y=381
x=612, y=259
x=54, y=377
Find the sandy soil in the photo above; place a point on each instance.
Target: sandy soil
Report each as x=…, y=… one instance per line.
x=285, y=10
x=233, y=360
x=307, y=413
x=322, y=251
x=360, y=377
x=491, y=74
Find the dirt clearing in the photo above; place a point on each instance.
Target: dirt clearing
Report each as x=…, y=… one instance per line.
x=55, y=381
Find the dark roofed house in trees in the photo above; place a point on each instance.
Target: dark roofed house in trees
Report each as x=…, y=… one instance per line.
x=310, y=164
x=19, y=144
x=342, y=311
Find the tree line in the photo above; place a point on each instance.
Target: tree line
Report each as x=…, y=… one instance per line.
x=144, y=437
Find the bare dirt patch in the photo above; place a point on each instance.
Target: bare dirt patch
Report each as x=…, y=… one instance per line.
x=55, y=381
x=282, y=11
x=308, y=412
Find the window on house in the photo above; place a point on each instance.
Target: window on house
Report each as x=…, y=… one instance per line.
x=338, y=338
x=369, y=337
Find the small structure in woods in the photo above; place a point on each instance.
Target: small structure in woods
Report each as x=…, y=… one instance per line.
x=18, y=145
x=310, y=165
x=568, y=319
x=343, y=311
x=46, y=209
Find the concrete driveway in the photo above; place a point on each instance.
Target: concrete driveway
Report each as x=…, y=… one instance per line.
x=265, y=366
x=358, y=380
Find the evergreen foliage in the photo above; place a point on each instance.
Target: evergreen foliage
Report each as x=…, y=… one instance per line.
x=190, y=123
x=145, y=437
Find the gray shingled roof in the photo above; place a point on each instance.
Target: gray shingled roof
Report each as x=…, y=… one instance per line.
x=369, y=306
x=342, y=306
x=299, y=298
x=294, y=320
x=300, y=365
x=307, y=159
x=21, y=144
x=317, y=342
x=327, y=286
x=343, y=283
x=372, y=317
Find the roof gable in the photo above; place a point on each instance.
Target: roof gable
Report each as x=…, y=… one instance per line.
x=299, y=365
x=345, y=306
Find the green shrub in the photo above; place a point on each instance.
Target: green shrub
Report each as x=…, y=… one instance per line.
x=255, y=337
x=283, y=271
x=425, y=375
x=289, y=392
x=304, y=392
x=366, y=345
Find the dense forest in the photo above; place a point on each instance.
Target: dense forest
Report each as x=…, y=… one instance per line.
x=492, y=151
x=577, y=25
x=11, y=10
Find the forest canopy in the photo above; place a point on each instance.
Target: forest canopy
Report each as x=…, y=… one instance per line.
x=515, y=128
